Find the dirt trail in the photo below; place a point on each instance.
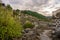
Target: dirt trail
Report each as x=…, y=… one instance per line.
x=44, y=35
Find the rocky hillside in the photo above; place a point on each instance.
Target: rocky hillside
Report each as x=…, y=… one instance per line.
x=35, y=14
x=36, y=30
x=18, y=25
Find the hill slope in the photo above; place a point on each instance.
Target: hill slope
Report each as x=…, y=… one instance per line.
x=35, y=14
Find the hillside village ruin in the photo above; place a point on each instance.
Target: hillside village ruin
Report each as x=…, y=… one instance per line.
x=35, y=33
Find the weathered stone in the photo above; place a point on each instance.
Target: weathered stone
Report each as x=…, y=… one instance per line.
x=56, y=34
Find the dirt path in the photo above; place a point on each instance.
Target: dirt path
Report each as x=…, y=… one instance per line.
x=44, y=35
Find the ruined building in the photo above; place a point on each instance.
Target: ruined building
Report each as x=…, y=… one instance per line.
x=56, y=17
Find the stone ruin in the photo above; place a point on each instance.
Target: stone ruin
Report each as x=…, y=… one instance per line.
x=56, y=17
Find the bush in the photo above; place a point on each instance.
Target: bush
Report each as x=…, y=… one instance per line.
x=28, y=25
x=9, y=28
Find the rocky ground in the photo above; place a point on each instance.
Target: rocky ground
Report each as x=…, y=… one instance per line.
x=36, y=34
x=41, y=30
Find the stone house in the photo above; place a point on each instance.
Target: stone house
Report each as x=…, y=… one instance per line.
x=56, y=20
x=56, y=15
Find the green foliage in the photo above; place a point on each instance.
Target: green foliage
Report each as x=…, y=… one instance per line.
x=28, y=25
x=8, y=7
x=16, y=12
x=8, y=26
x=35, y=14
x=2, y=4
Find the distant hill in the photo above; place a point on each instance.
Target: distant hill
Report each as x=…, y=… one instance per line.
x=35, y=14
x=49, y=16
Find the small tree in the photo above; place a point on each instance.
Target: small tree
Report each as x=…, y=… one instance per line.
x=8, y=7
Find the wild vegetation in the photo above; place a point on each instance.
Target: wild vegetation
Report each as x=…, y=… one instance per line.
x=9, y=28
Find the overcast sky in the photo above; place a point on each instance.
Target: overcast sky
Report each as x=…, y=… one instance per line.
x=45, y=6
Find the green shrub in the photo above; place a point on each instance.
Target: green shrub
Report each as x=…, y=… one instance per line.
x=28, y=25
x=9, y=28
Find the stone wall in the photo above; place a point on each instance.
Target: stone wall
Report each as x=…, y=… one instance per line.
x=56, y=33
x=55, y=13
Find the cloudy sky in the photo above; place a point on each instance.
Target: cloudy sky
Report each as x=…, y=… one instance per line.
x=44, y=7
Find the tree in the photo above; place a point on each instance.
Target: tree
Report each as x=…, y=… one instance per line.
x=8, y=7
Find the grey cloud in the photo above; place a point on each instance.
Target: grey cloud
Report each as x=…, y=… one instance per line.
x=34, y=5
x=29, y=2
x=16, y=2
